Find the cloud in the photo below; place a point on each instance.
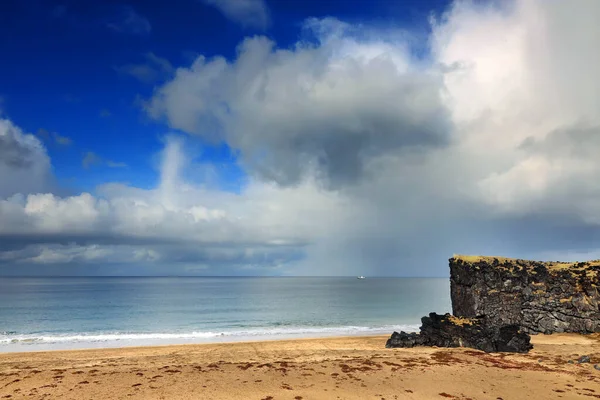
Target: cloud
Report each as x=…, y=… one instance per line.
x=155, y=69
x=114, y=164
x=327, y=108
x=24, y=163
x=54, y=137
x=129, y=21
x=62, y=140
x=247, y=13
x=14, y=152
x=91, y=159
x=44, y=134
x=485, y=146
x=166, y=225
x=362, y=158
x=535, y=118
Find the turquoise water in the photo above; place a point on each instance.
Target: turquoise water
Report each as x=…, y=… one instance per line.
x=60, y=313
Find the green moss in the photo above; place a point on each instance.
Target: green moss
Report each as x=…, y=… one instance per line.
x=552, y=266
x=476, y=259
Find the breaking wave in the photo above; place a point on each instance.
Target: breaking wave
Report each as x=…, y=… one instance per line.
x=12, y=338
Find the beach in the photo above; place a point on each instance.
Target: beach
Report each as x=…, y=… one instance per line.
x=329, y=368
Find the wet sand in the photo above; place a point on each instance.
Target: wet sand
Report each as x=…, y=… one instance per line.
x=331, y=368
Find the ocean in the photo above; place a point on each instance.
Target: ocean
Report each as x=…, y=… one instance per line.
x=90, y=312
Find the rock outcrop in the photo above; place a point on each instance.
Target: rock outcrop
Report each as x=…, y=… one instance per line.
x=540, y=297
x=449, y=331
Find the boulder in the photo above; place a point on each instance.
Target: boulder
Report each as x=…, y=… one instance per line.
x=449, y=331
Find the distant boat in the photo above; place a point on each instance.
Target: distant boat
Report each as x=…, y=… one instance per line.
x=360, y=277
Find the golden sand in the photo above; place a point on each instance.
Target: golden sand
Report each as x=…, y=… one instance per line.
x=332, y=368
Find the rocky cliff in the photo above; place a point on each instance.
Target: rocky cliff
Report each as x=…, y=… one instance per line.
x=540, y=297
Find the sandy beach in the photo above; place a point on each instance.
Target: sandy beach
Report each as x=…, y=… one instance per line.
x=331, y=368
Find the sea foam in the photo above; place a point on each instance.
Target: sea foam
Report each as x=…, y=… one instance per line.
x=12, y=341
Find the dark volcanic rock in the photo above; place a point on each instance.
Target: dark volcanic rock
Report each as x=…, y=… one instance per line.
x=449, y=331
x=583, y=359
x=541, y=297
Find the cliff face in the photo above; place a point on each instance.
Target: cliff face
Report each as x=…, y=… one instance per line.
x=541, y=297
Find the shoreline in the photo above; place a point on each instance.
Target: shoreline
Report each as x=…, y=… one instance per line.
x=128, y=340
x=241, y=341
x=348, y=367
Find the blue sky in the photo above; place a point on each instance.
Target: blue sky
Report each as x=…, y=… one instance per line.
x=72, y=70
x=257, y=137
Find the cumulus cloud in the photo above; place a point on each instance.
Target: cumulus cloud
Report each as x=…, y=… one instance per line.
x=362, y=158
x=326, y=108
x=247, y=13
x=174, y=223
x=527, y=99
x=486, y=146
x=24, y=163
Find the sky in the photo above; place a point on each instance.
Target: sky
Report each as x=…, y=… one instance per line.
x=278, y=138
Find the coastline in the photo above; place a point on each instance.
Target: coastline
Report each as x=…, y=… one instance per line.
x=147, y=345
x=345, y=367
x=137, y=340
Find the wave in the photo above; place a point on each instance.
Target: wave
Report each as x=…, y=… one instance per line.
x=8, y=338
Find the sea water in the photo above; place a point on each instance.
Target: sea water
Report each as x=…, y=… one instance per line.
x=86, y=312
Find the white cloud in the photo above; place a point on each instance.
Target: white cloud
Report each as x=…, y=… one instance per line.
x=530, y=77
x=176, y=222
x=247, y=13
